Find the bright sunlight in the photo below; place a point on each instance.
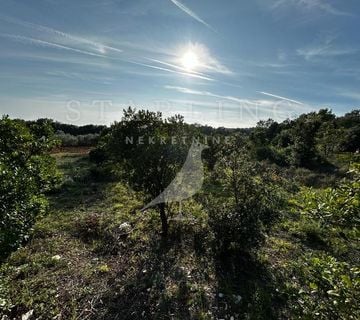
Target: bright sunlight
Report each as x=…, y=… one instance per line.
x=190, y=60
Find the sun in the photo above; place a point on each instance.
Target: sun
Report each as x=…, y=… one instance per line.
x=190, y=60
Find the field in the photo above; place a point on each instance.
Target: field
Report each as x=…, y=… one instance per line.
x=264, y=226
x=96, y=256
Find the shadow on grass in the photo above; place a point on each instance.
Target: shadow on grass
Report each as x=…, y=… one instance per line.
x=157, y=288
x=247, y=288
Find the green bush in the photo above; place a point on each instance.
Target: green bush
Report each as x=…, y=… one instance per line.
x=26, y=173
x=334, y=207
x=247, y=205
x=327, y=288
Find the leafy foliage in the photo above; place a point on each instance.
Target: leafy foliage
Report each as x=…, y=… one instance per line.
x=304, y=267
x=147, y=150
x=308, y=140
x=338, y=206
x=69, y=128
x=247, y=205
x=328, y=289
x=26, y=173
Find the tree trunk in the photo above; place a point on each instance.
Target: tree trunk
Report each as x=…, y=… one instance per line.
x=164, y=222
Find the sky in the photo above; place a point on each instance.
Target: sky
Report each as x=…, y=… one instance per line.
x=221, y=63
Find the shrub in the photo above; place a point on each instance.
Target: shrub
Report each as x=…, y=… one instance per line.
x=327, y=288
x=254, y=203
x=334, y=207
x=26, y=173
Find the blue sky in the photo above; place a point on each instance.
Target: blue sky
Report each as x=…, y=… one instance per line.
x=84, y=61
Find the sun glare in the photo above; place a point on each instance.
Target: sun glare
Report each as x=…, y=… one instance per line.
x=190, y=60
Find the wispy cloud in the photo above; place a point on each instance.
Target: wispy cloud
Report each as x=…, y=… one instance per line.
x=49, y=37
x=176, y=67
x=46, y=36
x=205, y=93
x=193, y=75
x=43, y=43
x=283, y=103
x=38, y=42
x=62, y=36
x=83, y=60
x=280, y=97
x=325, y=47
x=325, y=51
x=207, y=62
x=191, y=13
x=310, y=5
x=354, y=95
x=82, y=76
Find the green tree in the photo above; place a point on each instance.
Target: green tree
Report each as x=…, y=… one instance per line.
x=26, y=173
x=304, y=132
x=148, y=152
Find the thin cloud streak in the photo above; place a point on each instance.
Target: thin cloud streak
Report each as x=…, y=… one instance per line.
x=204, y=93
x=280, y=97
x=354, y=95
x=170, y=70
x=256, y=103
x=324, y=51
x=191, y=13
x=325, y=47
x=71, y=60
x=320, y=5
x=76, y=44
x=34, y=41
x=175, y=66
x=41, y=28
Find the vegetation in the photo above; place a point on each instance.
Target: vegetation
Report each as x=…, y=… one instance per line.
x=249, y=201
x=273, y=234
x=127, y=143
x=71, y=135
x=70, y=128
x=327, y=281
x=307, y=141
x=335, y=207
x=83, y=140
x=26, y=173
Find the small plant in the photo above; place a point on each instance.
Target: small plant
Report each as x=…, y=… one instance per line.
x=328, y=289
x=104, y=268
x=334, y=207
x=89, y=227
